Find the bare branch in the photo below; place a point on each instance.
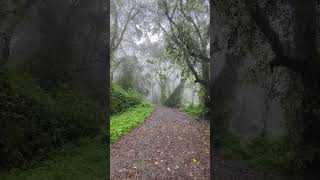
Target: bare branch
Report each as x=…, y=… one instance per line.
x=130, y=17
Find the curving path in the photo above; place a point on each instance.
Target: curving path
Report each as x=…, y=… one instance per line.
x=168, y=145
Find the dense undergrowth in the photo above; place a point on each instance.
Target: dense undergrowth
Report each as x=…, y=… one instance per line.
x=122, y=99
x=262, y=153
x=34, y=121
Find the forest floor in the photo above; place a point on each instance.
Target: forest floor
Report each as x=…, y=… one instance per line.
x=226, y=169
x=168, y=145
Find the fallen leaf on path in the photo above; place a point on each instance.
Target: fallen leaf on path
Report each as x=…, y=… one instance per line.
x=194, y=160
x=176, y=167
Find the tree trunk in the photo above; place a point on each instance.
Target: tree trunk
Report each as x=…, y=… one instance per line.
x=305, y=38
x=205, y=75
x=8, y=24
x=192, y=102
x=205, y=86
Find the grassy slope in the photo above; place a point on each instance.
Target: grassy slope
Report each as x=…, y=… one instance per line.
x=83, y=162
x=122, y=124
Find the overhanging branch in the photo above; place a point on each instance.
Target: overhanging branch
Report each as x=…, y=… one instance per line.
x=262, y=22
x=179, y=41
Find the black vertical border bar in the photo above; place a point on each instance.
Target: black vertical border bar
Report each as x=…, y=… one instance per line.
x=211, y=2
x=107, y=81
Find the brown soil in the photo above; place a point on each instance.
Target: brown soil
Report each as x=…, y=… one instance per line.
x=168, y=145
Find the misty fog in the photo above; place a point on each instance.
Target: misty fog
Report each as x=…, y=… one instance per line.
x=139, y=28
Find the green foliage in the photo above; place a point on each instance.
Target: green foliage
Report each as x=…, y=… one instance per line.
x=86, y=160
x=33, y=122
x=26, y=85
x=232, y=148
x=262, y=153
x=196, y=111
x=121, y=124
x=188, y=35
x=267, y=153
x=123, y=99
x=177, y=56
x=76, y=113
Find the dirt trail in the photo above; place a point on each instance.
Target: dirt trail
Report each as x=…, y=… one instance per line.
x=168, y=145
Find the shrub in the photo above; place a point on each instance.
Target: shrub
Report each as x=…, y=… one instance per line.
x=76, y=112
x=262, y=152
x=267, y=153
x=196, y=111
x=33, y=121
x=122, y=100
